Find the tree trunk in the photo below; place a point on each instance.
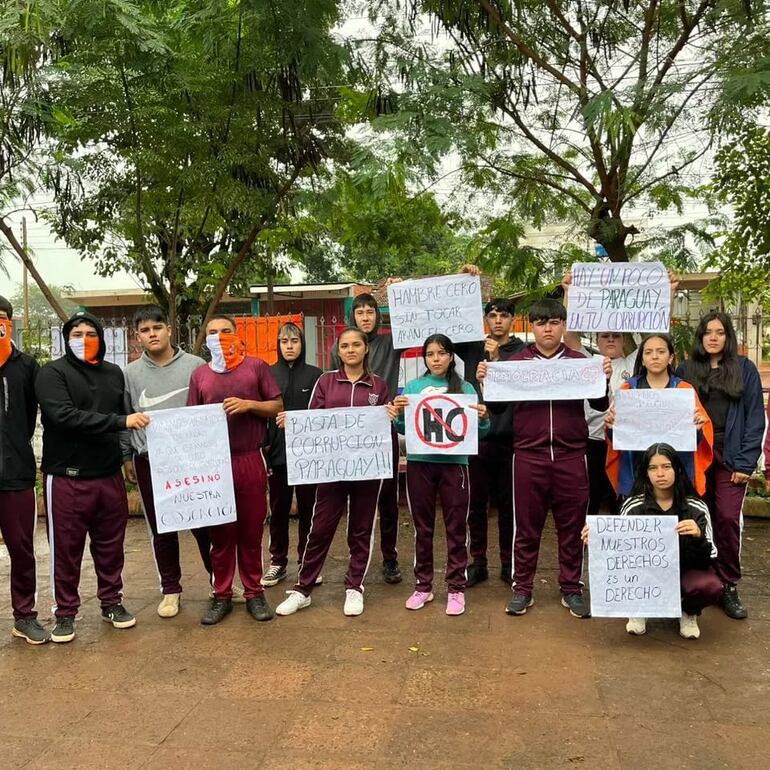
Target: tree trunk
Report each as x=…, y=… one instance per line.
x=27, y=262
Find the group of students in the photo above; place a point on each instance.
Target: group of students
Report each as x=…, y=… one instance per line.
x=533, y=457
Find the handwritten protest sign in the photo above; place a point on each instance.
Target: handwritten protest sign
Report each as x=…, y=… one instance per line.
x=631, y=297
x=644, y=417
x=633, y=566
x=351, y=444
x=542, y=380
x=449, y=304
x=442, y=424
x=192, y=480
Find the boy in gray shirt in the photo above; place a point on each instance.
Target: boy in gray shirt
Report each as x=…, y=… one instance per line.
x=159, y=379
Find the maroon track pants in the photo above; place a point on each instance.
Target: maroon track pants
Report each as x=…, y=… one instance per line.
x=700, y=588
x=725, y=502
x=281, y=495
x=388, y=508
x=78, y=507
x=491, y=482
x=18, y=516
x=165, y=545
x=540, y=483
x=449, y=482
x=240, y=542
x=361, y=498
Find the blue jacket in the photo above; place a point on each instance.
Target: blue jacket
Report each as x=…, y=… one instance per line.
x=745, y=421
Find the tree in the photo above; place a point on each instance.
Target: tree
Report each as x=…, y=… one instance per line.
x=41, y=314
x=742, y=181
x=567, y=111
x=27, y=41
x=185, y=144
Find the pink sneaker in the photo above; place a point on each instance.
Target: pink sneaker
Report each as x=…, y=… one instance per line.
x=418, y=600
x=455, y=604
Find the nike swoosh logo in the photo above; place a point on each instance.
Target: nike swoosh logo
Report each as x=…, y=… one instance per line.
x=305, y=390
x=145, y=402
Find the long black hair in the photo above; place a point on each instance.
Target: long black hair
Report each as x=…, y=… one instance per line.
x=683, y=487
x=729, y=377
x=364, y=339
x=454, y=381
x=639, y=367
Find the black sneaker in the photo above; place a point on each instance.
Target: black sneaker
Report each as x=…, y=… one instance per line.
x=119, y=616
x=731, y=603
x=390, y=571
x=476, y=573
x=63, y=630
x=505, y=574
x=30, y=630
x=519, y=604
x=576, y=604
x=258, y=608
x=218, y=610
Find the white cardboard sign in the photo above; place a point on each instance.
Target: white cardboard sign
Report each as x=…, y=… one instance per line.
x=539, y=379
x=347, y=444
x=448, y=304
x=619, y=297
x=192, y=479
x=633, y=567
x=645, y=417
x=442, y=424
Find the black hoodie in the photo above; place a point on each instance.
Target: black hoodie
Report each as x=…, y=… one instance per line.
x=18, y=413
x=472, y=354
x=296, y=383
x=82, y=411
x=384, y=360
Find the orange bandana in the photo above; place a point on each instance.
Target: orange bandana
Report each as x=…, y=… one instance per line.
x=86, y=349
x=6, y=335
x=227, y=351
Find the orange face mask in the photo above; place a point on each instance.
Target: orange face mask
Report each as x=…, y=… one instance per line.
x=6, y=335
x=86, y=349
x=227, y=351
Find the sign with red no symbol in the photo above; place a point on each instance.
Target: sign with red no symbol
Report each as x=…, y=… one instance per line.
x=441, y=424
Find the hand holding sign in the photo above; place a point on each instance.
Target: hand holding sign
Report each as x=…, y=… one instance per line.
x=442, y=423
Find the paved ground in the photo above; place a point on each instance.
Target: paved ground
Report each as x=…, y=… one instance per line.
x=390, y=689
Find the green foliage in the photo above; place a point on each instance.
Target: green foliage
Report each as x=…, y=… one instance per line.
x=186, y=130
x=743, y=182
x=560, y=111
x=40, y=312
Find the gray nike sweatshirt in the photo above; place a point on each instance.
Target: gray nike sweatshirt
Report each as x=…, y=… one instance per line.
x=149, y=387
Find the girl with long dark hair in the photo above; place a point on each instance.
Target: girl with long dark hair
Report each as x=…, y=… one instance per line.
x=352, y=385
x=436, y=475
x=730, y=389
x=654, y=369
x=662, y=487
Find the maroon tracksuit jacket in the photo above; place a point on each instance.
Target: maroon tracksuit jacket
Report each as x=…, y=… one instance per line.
x=334, y=390
x=549, y=471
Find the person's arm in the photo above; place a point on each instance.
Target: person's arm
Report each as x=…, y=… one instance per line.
x=268, y=401
x=571, y=339
x=754, y=425
x=56, y=404
x=125, y=441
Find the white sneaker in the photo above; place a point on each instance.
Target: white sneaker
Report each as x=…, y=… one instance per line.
x=319, y=580
x=169, y=606
x=238, y=597
x=294, y=601
x=354, y=602
x=688, y=626
x=637, y=626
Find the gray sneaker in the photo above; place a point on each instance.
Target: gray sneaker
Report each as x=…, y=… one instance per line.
x=63, y=630
x=577, y=605
x=30, y=630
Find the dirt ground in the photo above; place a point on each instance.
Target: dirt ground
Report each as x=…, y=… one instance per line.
x=389, y=689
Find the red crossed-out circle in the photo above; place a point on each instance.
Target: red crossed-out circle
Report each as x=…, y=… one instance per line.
x=425, y=404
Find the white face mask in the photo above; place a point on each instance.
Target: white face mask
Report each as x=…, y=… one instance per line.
x=217, y=354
